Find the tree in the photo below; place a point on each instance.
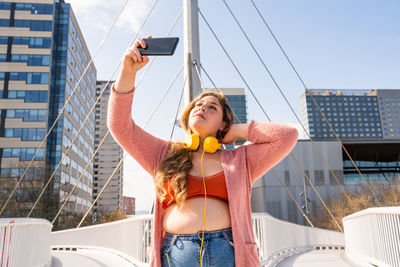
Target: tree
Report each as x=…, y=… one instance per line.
x=112, y=216
x=388, y=194
x=26, y=193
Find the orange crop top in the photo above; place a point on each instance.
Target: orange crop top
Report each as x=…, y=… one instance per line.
x=215, y=185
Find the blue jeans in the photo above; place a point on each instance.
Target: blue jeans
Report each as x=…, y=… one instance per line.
x=184, y=250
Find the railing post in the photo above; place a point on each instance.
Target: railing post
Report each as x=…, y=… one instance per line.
x=25, y=242
x=373, y=236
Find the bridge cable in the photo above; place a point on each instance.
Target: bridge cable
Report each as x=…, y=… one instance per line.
x=330, y=213
x=145, y=72
x=66, y=102
x=145, y=125
x=172, y=132
x=87, y=165
x=315, y=102
x=177, y=109
x=80, y=177
x=201, y=80
x=287, y=101
x=140, y=80
x=88, y=115
x=273, y=170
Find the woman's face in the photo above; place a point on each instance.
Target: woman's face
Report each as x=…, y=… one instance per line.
x=205, y=119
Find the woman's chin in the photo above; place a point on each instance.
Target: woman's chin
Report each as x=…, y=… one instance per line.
x=197, y=125
x=200, y=128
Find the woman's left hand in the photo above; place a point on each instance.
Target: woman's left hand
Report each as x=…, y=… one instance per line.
x=235, y=131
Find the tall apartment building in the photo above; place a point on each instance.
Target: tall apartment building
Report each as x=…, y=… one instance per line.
x=107, y=159
x=42, y=56
x=354, y=114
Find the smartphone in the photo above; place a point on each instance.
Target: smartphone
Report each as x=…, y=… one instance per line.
x=159, y=46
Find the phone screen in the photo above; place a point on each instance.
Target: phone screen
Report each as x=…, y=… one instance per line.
x=159, y=46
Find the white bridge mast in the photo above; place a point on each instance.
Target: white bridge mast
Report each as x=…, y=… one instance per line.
x=191, y=49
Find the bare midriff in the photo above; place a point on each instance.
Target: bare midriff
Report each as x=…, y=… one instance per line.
x=189, y=219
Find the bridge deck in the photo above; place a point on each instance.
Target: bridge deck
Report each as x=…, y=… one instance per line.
x=101, y=258
x=317, y=258
x=87, y=258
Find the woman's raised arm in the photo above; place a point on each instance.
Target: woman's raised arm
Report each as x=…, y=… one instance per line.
x=271, y=142
x=145, y=148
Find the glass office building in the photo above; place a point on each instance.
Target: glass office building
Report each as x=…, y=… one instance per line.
x=368, y=124
x=353, y=114
x=42, y=57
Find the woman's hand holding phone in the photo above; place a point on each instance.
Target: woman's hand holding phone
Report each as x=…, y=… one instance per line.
x=132, y=62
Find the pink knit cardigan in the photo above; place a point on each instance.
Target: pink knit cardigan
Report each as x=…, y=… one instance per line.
x=271, y=142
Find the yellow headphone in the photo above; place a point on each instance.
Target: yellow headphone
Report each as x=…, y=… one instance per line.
x=210, y=145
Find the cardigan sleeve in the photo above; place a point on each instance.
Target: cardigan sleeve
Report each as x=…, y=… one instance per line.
x=145, y=148
x=271, y=142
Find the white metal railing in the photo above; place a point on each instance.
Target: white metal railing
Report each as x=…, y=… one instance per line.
x=129, y=238
x=25, y=242
x=373, y=236
x=277, y=239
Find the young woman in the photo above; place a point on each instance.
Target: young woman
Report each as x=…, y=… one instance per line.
x=196, y=225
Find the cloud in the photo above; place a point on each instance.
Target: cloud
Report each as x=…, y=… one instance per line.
x=134, y=14
x=99, y=14
x=95, y=15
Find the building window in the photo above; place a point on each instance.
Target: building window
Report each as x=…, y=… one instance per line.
x=287, y=178
x=29, y=77
x=339, y=176
x=34, y=25
x=35, y=8
x=22, y=153
x=29, y=96
x=31, y=60
x=26, y=134
x=28, y=114
x=5, y=6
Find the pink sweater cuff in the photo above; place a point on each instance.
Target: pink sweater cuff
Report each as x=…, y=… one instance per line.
x=119, y=93
x=262, y=132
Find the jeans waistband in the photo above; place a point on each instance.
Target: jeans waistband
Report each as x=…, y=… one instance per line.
x=207, y=234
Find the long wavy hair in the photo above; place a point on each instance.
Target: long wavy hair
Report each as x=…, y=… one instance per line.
x=178, y=162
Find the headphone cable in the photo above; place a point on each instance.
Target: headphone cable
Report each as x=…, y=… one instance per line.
x=205, y=201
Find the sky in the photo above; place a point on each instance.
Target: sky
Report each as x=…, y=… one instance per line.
x=333, y=45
